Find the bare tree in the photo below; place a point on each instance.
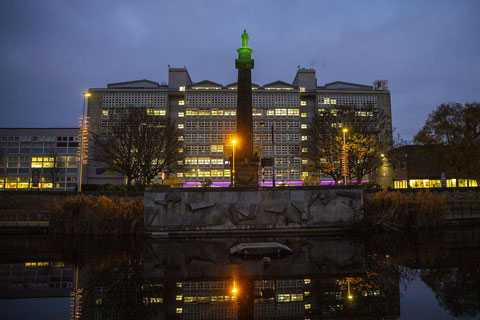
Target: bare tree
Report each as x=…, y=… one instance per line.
x=157, y=151
x=116, y=147
x=138, y=146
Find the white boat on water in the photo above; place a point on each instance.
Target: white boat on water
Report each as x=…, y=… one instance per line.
x=263, y=249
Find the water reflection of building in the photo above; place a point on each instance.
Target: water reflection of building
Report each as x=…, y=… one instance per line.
x=35, y=279
x=314, y=282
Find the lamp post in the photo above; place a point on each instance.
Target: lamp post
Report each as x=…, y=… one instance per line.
x=86, y=95
x=345, y=156
x=232, y=173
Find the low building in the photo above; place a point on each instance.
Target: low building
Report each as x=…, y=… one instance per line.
x=39, y=158
x=426, y=166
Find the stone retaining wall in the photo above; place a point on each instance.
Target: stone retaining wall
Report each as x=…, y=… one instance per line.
x=226, y=209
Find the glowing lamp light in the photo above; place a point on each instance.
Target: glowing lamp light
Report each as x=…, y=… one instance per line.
x=234, y=141
x=345, y=130
x=234, y=291
x=382, y=155
x=87, y=94
x=350, y=297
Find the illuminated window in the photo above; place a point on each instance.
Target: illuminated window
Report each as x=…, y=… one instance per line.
x=304, y=138
x=280, y=112
x=179, y=310
x=105, y=112
x=180, y=126
x=179, y=297
x=296, y=297
x=464, y=183
x=216, y=173
x=181, y=102
x=180, y=138
x=181, y=114
x=179, y=284
x=216, y=148
x=303, y=115
x=270, y=112
x=400, y=184
x=304, y=161
x=303, y=102
x=424, y=183
x=304, y=150
x=226, y=173
x=156, y=112
x=43, y=162
x=190, y=160
x=283, y=297
x=304, y=174
x=451, y=183
x=293, y=112
x=307, y=281
x=302, y=89
x=203, y=160
x=217, y=161
x=181, y=88
x=304, y=126
x=308, y=306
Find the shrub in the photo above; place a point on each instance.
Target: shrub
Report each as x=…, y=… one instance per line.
x=83, y=214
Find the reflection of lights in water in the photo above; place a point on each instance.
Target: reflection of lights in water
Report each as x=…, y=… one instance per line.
x=234, y=289
x=349, y=295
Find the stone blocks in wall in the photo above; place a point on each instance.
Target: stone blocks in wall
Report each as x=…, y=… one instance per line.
x=204, y=209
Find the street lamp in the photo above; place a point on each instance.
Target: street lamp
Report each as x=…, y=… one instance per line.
x=345, y=164
x=86, y=95
x=232, y=173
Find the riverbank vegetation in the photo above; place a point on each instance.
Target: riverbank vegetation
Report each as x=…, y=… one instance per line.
x=396, y=210
x=97, y=215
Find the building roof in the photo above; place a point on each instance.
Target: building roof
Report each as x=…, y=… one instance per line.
x=342, y=85
x=206, y=83
x=278, y=84
x=143, y=83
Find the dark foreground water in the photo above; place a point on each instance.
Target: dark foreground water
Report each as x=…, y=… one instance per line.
x=419, y=276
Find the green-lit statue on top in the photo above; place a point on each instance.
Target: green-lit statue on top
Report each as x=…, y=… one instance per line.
x=244, y=39
x=244, y=60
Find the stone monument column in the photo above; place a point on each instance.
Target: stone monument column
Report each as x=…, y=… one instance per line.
x=246, y=162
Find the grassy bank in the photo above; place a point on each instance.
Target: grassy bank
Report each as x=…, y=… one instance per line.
x=405, y=210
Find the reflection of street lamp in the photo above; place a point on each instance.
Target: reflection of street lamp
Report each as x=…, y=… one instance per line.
x=234, y=289
x=232, y=173
x=345, y=164
x=349, y=294
x=86, y=95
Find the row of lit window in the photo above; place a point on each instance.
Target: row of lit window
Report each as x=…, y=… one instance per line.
x=204, y=299
x=203, y=160
x=204, y=173
x=207, y=112
x=434, y=183
x=348, y=100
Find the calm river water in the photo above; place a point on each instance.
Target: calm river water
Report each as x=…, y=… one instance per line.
x=416, y=276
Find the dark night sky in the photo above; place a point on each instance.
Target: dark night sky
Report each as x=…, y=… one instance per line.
x=51, y=50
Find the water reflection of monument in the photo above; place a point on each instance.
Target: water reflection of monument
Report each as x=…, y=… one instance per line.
x=321, y=279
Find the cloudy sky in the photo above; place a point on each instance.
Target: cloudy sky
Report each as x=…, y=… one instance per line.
x=51, y=50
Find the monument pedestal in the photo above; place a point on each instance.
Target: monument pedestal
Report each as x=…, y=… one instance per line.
x=246, y=174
